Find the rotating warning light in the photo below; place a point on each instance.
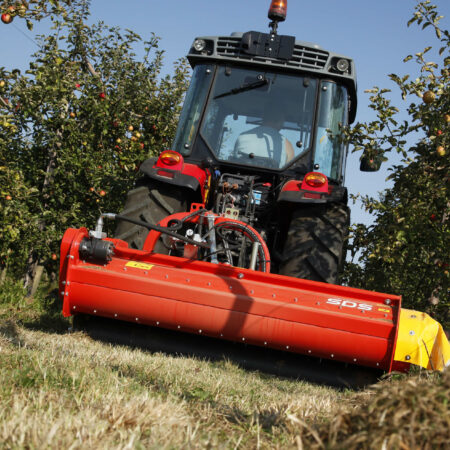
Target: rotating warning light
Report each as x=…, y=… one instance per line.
x=278, y=10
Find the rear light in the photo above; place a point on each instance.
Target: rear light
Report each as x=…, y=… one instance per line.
x=278, y=10
x=170, y=158
x=315, y=179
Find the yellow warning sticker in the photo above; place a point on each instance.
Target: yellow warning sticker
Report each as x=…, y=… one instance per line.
x=386, y=310
x=139, y=265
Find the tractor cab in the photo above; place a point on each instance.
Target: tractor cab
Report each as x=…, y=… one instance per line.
x=267, y=102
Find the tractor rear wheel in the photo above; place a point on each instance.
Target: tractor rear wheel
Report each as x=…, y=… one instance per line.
x=315, y=245
x=150, y=202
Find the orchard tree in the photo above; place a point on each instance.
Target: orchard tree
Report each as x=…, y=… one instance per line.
x=74, y=130
x=407, y=249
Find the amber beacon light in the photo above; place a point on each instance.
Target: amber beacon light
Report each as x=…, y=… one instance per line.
x=278, y=10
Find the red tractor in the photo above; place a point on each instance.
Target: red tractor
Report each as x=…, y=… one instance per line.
x=258, y=141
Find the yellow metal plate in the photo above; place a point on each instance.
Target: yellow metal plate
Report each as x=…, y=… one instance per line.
x=139, y=265
x=421, y=341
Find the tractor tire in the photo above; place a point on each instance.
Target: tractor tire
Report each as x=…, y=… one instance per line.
x=150, y=202
x=316, y=243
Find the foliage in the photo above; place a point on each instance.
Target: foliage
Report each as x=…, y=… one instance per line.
x=74, y=129
x=406, y=250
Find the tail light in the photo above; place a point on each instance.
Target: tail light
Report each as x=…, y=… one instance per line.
x=278, y=10
x=315, y=179
x=170, y=158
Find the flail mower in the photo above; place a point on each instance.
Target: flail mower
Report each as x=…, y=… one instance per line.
x=238, y=232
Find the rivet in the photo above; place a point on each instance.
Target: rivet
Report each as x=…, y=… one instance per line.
x=166, y=276
x=84, y=262
x=74, y=307
x=187, y=280
x=240, y=276
x=243, y=339
x=200, y=331
x=68, y=283
x=63, y=283
x=125, y=269
x=71, y=257
x=221, y=335
x=179, y=326
x=270, y=49
x=332, y=355
x=273, y=296
x=385, y=315
x=295, y=299
x=387, y=301
x=209, y=283
x=231, y=287
x=378, y=364
x=287, y=347
x=62, y=292
x=145, y=272
x=413, y=316
x=157, y=323
x=95, y=311
x=411, y=333
x=317, y=303
x=309, y=351
x=115, y=315
x=363, y=311
x=104, y=265
x=340, y=306
x=354, y=359
x=137, y=319
x=407, y=357
x=265, y=343
x=67, y=294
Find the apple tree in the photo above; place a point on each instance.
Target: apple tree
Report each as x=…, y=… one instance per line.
x=407, y=249
x=78, y=123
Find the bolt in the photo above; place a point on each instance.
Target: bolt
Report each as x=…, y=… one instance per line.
x=63, y=283
x=62, y=292
x=137, y=319
x=67, y=294
x=231, y=287
x=209, y=283
x=354, y=359
x=95, y=311
x=243, y=339
x=157, y=323
x=295, y=299
x=68, y=283
x=179, y=327
x=413, y=316
x=273, y=296
x=125, y=269
x=252, y=292
x=115, y=315
x=387, y=301
x=74, y=307
x=332, y=355
x=167, y=276
x=265, y=343
x=287, y=347
x=309, y=351
x=145, y=272
x=240, y=276
x=200, y=331
x=187, y=280
x=411, y=333
x=407, y=357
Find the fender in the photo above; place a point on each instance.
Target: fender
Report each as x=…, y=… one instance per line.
x=185, y=175
x=295, y=191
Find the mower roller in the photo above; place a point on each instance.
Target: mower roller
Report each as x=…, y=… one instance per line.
x=239, y=230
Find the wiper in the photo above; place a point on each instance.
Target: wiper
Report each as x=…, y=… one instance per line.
x=244, y=87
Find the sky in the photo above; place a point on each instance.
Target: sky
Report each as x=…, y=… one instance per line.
x=373, y=33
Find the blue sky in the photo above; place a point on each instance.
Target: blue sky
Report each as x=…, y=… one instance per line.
x=373, y=33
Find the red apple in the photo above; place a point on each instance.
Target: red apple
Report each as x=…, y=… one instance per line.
x=8, y=197
x=102, y=95
x=54, y=257
x=7, y=18
x=102, y=193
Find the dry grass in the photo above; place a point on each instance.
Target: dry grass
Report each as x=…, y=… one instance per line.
x=61, y=390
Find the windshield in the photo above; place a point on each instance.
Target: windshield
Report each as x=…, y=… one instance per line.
x=259, y=118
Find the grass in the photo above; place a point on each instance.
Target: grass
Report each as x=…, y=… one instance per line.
x=66, y=390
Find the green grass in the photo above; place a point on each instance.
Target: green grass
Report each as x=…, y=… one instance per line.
x=66, y=390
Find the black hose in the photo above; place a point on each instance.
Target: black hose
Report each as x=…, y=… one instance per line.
x=162, y=230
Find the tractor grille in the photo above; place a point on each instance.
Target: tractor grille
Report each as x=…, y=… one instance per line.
x=303, y=57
